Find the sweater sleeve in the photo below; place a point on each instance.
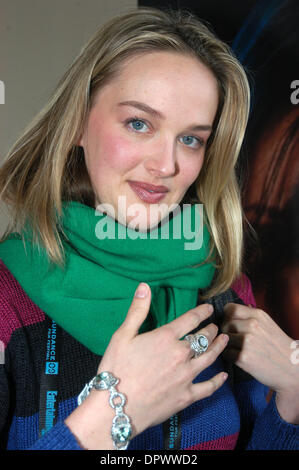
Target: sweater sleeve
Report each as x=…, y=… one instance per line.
x=271, y=432
x=59, y=437
x=4, y=401
x=6, y=405
x=262, y=428
x=12, y=320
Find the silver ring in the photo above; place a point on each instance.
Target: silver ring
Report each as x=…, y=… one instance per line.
x=198, y=343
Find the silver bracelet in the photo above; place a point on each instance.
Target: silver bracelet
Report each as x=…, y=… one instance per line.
x=121, y=430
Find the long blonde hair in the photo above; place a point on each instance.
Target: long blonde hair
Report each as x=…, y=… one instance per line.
x=46, y=166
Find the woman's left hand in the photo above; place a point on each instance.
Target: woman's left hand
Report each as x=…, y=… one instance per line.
x=258, y=346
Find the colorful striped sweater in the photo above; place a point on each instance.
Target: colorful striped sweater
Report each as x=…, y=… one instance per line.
x=237, y=416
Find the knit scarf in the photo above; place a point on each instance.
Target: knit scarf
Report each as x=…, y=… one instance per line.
x=104, y=263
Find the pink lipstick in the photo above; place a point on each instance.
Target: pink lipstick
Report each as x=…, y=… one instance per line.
x=148, y=192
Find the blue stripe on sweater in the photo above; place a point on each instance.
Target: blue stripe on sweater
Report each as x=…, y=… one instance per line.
x=209, y=419
x=23, y=432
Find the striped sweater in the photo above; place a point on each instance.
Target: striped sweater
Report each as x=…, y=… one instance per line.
x=237, y=416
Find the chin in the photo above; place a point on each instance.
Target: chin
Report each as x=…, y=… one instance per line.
x=153, y=220
x=141, y=225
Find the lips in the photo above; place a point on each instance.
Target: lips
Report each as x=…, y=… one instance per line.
x=147, y=192
x=150, y=187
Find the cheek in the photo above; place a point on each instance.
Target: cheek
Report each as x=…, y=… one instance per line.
x=120, y=155
x=190, y=170
x=112, y=154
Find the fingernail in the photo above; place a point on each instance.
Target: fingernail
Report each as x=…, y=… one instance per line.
x=210, y=308
x=141, y=291
x=225, y=338
x=225, y=375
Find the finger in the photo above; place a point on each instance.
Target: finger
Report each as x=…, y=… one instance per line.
x=198, y=364
x=207, y=388
x=138, y=310
x=210, y=331
x=248, y=325
x=189, y=320
x=237, y=311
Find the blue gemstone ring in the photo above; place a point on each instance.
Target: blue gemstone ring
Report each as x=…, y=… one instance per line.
x=198, y=343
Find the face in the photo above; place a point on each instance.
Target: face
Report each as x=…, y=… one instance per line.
x=146, y=134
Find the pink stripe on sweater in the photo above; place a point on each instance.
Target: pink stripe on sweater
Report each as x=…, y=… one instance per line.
x=17, y=309
x=223, y=443
x=242, y=287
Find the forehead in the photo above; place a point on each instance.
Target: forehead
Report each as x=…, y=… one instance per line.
x=165, y=80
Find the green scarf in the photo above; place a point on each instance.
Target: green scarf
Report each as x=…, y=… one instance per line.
x=90, y=297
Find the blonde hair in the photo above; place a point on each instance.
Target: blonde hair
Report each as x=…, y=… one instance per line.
x=46, y=166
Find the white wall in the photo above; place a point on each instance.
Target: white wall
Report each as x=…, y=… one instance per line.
x=38, y=40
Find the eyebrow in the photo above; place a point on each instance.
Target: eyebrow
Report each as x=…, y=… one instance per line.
x=147, y=109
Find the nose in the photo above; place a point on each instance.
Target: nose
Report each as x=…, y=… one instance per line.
x=161, y=160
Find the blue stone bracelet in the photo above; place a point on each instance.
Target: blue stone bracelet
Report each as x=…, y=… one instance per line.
x=121, y=430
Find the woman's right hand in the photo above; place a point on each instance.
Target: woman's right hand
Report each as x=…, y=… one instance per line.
x=156, y=369
x=155, y=372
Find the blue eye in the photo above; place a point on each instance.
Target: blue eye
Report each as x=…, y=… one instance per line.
x=191, y=141
x=138, y=125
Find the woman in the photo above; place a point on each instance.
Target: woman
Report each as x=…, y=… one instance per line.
x=153, y=110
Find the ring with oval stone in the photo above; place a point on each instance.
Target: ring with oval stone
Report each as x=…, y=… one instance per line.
x=198, y=343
